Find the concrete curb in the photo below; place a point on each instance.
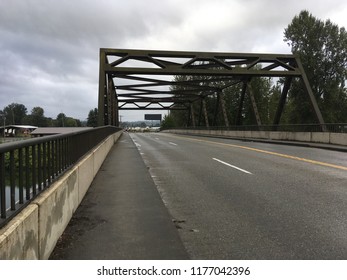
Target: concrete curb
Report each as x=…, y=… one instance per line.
x=293, y=142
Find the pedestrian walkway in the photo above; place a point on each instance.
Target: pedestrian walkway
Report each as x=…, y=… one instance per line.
x=122, y=215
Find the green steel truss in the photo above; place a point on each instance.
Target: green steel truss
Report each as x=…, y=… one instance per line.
x=144, y=80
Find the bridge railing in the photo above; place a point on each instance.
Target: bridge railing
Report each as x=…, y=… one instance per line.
x=329, y=127
x=30, y=166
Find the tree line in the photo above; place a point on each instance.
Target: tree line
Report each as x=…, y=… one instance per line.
x=322, y=47
x=17, y=114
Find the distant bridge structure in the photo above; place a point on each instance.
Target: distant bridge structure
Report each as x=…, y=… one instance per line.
x=141, y=80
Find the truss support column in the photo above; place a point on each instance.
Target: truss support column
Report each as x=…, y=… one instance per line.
x=222, y=103
x=102, y=90
x=116, y=111
x=282, y=102
x=192, y=114
x=242, y=99
x=254, y=104
x=110, y=104
x=200, y=113
x=311, y=95
x=113, y=114
x=189, y=116
x=216, y=110
x=205, y=113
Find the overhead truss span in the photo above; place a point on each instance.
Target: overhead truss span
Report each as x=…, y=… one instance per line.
x=147, y=80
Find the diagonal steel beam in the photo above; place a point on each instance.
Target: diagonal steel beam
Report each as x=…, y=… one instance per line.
x=205, y=69
x=282, y=101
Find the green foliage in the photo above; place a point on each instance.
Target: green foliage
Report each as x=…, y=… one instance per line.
x=264, y=91
x=16, y=159
x=167, y=122
x=14, y=113
x=17, y=114
x=60, y=120
x=38, y=117
x=38, y=152
x=92, y=119
x=322, y=48
x=63, y=121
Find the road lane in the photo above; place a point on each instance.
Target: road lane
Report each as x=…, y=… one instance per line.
x=288, y=208
x=232, y=166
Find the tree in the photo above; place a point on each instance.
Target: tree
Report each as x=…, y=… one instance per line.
x=15, y=113
x=92, y=119
x=60, y=120
x=64, y=121
x=78, y=122
x=231, y=93
x=70, y=122
x=263, y=92
x=167, y=122
x=38, y=117
x=322, y=47
x=179, y=116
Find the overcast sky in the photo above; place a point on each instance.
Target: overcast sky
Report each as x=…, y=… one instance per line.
x=49, y=49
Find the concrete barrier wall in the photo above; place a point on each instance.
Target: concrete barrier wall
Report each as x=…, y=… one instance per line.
x=19, y=240
x=85, y=175
x=56, y=206
x=317, y=137
x=34, y=232
x=338, y=138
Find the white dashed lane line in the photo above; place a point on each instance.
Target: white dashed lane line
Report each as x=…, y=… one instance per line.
x=232, y=166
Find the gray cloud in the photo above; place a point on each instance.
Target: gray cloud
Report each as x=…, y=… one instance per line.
x=49, y=49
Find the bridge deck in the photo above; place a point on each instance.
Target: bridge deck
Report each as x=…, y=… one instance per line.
x=122, y=215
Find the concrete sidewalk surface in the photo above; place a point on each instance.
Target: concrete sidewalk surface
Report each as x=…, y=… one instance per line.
x=122, y=215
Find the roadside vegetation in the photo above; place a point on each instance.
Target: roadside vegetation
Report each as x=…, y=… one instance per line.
x=322, y=47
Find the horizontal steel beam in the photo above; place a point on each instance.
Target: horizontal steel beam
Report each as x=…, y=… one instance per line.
x=150, y=95
x=155, y=100
x=153, y=109
x=188, y=54
x=200, y=63
x=239, y=72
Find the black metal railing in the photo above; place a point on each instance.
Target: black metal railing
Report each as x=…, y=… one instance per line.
x=329, y=127
x=30, y=166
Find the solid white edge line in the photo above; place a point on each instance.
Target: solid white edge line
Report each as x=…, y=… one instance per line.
x=172, y=143
x=233, y=166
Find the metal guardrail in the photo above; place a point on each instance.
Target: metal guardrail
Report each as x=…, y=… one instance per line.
x=29, y=167
x=329, y=127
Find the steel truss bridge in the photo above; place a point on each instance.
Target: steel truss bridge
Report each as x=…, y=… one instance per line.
x=144, y=80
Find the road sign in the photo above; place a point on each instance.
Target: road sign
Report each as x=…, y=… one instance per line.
x=153, y=117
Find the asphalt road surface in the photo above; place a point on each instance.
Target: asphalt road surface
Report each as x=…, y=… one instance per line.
x=245, y=200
